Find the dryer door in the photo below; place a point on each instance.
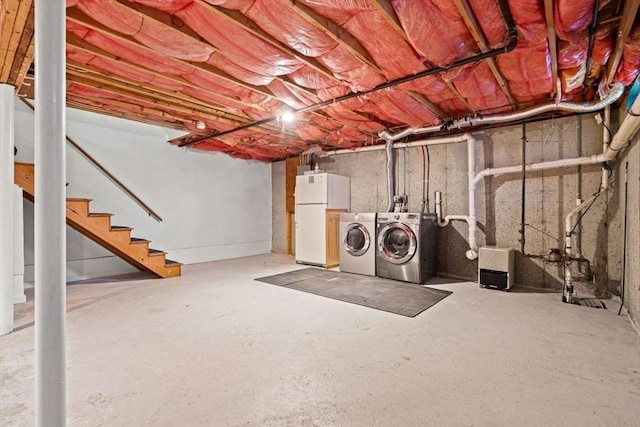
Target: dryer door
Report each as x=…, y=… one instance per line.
x=397, y=243
x=355, y=239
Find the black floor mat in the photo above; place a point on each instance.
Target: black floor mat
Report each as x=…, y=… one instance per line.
x=393, y=296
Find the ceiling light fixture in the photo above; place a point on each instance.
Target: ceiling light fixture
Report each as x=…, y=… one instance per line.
x=200, y=125
x=288, y=116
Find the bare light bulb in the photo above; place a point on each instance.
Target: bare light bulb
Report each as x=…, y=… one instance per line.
x=288, y=116
x=200, y=125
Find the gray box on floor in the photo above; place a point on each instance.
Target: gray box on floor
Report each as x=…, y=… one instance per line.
x=496, y=267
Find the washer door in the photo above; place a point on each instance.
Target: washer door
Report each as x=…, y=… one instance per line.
x=397, y=243
x=355, y=239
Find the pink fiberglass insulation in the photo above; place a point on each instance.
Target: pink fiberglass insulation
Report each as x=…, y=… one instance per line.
x=284, y=24
x=572, y=54
x=572, y=17
x=403, y=108
x=528, y=71
x=283, y=93
x=602, y=46
x=209, y=81
x=395, y=57
x=628, y=68
x=491, y=21
x=151, y=33
x=131, y=52
x=346, y=67
x=339, y=11
x=237, y=72
x=168, y=6
x=530, y=21
x=123, y=69
x=239, y=46
x=480, y=89
x=436, y=30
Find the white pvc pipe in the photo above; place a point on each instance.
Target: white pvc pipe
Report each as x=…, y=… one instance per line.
x=615, y=91
x=552, y=164
x=49, y=229
x=472, y=253
x=626, y=132
x=7, y=112
x=419, y=143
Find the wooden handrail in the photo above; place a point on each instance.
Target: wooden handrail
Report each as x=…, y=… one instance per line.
x=108, y=174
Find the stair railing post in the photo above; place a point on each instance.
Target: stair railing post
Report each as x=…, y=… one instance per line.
x=49, y=218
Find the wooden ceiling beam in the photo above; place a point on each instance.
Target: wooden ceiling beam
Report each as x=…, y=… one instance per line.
x=77, y=68
x=553, y=47
x=24, y=53
x=168, y=106
x=335, y=32
x=239, y=20
x=128, y=116
x=426, y=103
x=16, y=18
x=174, y=23
x=475, y=29
x=385, y=9
x=80, y=18
x=624, y=29
x=79, y=44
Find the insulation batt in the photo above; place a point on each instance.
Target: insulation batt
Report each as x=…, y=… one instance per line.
x=630, y=64
x=149, y=32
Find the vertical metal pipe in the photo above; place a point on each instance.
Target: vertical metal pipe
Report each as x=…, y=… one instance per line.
x=49, y=230
x=6, y=208
x=524, y=177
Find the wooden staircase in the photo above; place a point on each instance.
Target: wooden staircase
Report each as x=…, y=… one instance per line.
x=97, y=227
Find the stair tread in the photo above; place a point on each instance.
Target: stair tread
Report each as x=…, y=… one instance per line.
x=100, y=214
x=156, y=252
x=78, y=199
x=120, y=227
x=170, y=262
x=138, y=240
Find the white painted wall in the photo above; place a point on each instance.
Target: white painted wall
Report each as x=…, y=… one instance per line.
x=212, y=206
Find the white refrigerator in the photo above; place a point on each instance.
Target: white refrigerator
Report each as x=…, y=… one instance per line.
x=314, y=194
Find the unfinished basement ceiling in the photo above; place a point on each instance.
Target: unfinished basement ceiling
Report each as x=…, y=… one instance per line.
x=225, y=70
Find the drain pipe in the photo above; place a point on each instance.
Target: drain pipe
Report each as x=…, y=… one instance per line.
x=626, y=132
x=390, y=176
x=568, y=222
x=472, y=253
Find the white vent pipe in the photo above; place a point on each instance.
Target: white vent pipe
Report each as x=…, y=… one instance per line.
x=614, y=93
x=628, y=129
x=618, y=143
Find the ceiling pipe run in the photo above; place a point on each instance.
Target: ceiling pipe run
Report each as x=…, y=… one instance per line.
x=511, y=43
x=616, y=90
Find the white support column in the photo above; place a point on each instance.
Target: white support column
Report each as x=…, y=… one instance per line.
x=49, y=228
x=7, y=100
x=18, y=247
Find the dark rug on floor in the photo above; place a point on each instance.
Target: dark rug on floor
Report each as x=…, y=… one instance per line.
x=393, y=296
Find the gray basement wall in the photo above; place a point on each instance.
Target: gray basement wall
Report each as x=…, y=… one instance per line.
x=550, y=195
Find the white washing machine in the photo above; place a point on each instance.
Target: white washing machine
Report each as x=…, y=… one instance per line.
x=357, y=243
x=406, y=246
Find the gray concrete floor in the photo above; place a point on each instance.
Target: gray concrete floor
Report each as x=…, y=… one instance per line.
x=215, y=348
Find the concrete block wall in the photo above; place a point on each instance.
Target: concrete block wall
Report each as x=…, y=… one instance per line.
x=550, y=195
x=632, y=266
